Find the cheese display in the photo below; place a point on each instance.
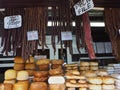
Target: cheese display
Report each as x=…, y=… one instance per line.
x=60, y=77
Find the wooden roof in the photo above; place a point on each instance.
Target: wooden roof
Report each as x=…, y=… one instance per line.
x=31, y=3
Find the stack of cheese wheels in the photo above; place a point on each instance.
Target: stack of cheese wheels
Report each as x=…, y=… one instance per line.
x=93, y=65
x=75, y=80
x=30, y=66
x=22, y=81
x=95, y=83
x=6, y=86
x=56, y=83
x=41, y=76
x=72, y=66
x=108, y=83
x=10, y=76
x=56, y=68
x=19, y=63
x=57, y=63
x=43, y=64
x=84, y=66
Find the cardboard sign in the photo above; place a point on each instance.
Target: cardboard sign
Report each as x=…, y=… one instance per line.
x=12, y=21
x=83, y=6
x=66, y=35
x=32, y=35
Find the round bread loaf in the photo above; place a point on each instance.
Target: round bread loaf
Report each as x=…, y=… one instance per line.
x=59, y=61
x=10, y=74
x=22, y=75
x=38, y=86
x=19, y=60
x=41, y=74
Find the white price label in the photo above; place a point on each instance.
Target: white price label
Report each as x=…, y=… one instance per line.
x=83, y=6
x=32, y=35
x=66, y=35
x=12, y=21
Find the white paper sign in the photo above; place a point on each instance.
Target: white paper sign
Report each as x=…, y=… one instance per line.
x=66, y=35
x=12, y=21
x=119, y=31
x=32, y=35
x=83, y=6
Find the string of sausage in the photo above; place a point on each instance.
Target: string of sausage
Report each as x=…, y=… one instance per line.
x=112, y=25
x=88, y=38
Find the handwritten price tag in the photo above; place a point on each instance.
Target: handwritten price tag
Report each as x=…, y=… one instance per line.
x=83, y=6
x=66, y=35
x=32, y=35
x=14, y=21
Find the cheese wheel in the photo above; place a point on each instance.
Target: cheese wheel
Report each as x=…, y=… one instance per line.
x=19, y=66
x=6, y=86
x=30, y=60
x=56, y=80
x=10, y=81
x=57, y=87
x=38, y=86
x=30, y=66
x=22, y=75
x=20, y=86
x=10, y=74
x=19, y=60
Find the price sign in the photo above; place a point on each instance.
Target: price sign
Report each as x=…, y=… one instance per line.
x=83, y=6
x=32, y=35
x=12, y=22
x=66, y=35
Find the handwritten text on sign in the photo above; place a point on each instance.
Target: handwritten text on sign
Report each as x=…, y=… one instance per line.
x=14, y=21
x=66, y=35
x=83, y=6
x=32, y=35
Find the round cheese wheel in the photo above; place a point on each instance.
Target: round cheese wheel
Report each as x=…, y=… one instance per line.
x=22, y=75
x=10, y=74
x=20, y=86
x=56, y=80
